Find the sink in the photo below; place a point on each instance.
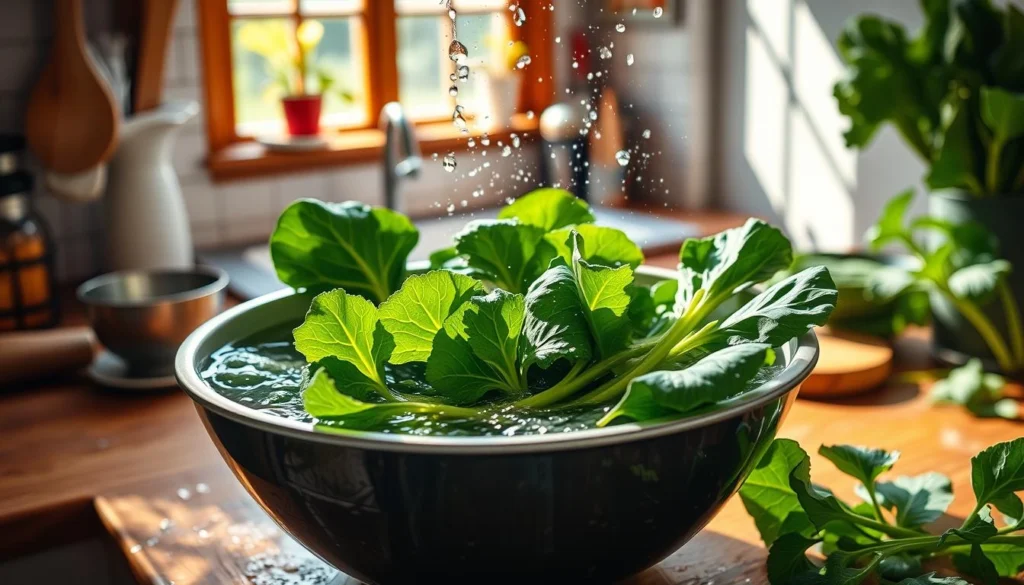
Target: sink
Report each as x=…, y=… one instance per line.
x=252, y=272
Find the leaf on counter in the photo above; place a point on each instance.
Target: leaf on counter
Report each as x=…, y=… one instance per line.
x=918, y=500
x=998, y=471
x=768, y=496
x=321, y=246
x=861, y=463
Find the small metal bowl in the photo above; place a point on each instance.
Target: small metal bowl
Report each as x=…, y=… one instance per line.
x=142, y=317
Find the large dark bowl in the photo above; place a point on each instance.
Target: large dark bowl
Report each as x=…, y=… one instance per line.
x=586, y=506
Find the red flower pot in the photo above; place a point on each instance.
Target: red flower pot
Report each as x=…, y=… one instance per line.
x=302, y=114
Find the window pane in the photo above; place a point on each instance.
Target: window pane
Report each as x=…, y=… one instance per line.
x=423, y=68
x=419, y=6
x=483, y=35
x=257, y=91
x=256, y=7
x=330, y=7
x=339, y=54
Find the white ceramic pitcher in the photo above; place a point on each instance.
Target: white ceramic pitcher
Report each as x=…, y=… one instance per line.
x=147, y=224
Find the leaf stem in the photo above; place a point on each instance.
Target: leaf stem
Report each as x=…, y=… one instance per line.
x=992, y=167
x=983, y=326
x=874, y=502
x=1012, y=312
x=569, y=386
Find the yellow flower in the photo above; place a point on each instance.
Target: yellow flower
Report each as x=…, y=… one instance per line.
x=310, y=33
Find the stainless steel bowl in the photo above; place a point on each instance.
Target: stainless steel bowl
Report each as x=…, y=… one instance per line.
x=143, y=317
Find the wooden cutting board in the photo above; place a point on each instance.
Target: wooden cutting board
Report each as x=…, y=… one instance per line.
x=850, y=364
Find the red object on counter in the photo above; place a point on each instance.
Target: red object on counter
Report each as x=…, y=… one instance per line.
x=302, y=114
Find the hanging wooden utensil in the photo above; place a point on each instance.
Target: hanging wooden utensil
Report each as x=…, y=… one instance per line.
x=72, y=118
x=157, y=19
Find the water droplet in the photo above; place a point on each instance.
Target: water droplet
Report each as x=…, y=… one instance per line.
x=457, y=52
x=658, y=11
x=523, y=62
x=507, y=151
x=449, y=162
x=135, y=548
x=605, y=53
x=515, y=140
x=520, y=17
x=623, y=157
x=165, y=524
x=463, y=72
x=620, y=27
x=453, y=77
x=471, y=142
x=575, y=65
x=629, y=60
x=647, y=133
x=184, y=494
x=452, y=14
x=459, y=120
x=530, y=115
x=453, y=90
x=202, y=488
x=593, y=114
x=485, y=140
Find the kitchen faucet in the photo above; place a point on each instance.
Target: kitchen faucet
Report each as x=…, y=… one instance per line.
x=401, y=151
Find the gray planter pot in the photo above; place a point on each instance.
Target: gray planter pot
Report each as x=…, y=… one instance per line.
x=955, y=340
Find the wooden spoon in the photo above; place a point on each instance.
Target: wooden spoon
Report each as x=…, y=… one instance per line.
x=72, y=118
x=157, y=18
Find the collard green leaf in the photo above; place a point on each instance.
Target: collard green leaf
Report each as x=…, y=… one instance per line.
x=604, y=245
x=501, y=251
x=978, y=282
x=970, y=386
x=891, y=224
x=477, y=351
x=861, y=463
x=976, y=530
x=981, y=566
x=332, y=409
x=415, y=313
x=768, y=497
x=732, y=261
x=713, y=379
x=556, y=324
x=1008, y=559
x=605, y=295
x=839, y=572
x=821, y=507
x=787, y=558
x=899, y=567
x=321, y=246
x=1011, y=507
x=918, y=500
x=998, y=471
x=549, y=209
x=347, y=328
x=1003, y=112
x=958, y=164
x=785, y=310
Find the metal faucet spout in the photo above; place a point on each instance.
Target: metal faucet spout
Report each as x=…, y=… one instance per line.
x=401, y=151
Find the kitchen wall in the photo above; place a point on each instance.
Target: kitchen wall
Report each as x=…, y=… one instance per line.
x=237, y=212
x=782, y=154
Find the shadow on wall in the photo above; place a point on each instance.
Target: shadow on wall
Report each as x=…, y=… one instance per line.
x=783, y=154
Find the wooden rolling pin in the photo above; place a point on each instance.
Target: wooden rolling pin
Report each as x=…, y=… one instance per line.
x=30, y=355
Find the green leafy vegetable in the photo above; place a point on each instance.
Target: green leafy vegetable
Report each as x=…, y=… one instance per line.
x=415, y=314
x=963, y=268
x=978, y=391
x=793, y=515
x=321, y=246
x=535, y=310
x=549, y=209
x=953, y=91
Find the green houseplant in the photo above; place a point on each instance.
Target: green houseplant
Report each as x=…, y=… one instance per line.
x=955, y=92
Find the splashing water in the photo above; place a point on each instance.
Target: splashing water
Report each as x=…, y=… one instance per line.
x=620, y=27
x=658, y=11
x=623, y=157
x=605, y=53
x=629, y=60
x=519, y=17
x=449, y=163
x=523, y=62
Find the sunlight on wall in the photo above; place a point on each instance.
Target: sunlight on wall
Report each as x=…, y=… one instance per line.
x=792, y=137
x=764, y=134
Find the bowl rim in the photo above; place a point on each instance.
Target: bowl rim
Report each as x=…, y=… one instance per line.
x=803, y=357
x=219, y=281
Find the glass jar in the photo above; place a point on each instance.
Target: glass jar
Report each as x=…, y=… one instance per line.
x=27, y=294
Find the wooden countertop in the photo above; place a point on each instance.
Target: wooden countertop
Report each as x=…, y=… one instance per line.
x=73, y=456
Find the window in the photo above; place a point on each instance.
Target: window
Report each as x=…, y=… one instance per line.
x=377, y=51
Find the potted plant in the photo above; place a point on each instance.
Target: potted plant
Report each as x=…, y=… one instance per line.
x=955, y=92
x=502, y=80
x=297, y=79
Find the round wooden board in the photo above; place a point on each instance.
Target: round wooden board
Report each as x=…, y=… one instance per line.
x=849, y=364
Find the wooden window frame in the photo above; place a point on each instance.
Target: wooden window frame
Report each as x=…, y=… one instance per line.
x=232, y=156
